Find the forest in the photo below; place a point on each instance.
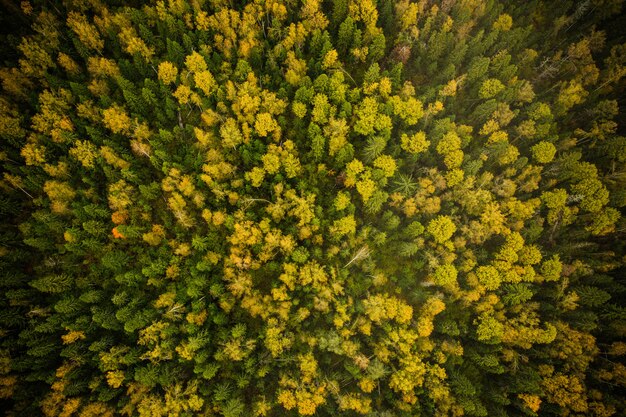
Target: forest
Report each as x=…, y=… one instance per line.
x=249, y=208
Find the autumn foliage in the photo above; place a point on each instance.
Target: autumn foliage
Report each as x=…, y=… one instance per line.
x=332, y=208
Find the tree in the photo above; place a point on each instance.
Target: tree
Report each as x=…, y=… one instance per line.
x=490, y=88
x=441, y=228
x=543, y=152
x=86, y=32
x=116, y=119
x=416, y=143
x=167, y=72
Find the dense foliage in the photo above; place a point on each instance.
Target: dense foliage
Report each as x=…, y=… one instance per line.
x=292, y=208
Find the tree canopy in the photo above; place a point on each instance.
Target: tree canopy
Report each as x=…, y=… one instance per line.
x=339, y=207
